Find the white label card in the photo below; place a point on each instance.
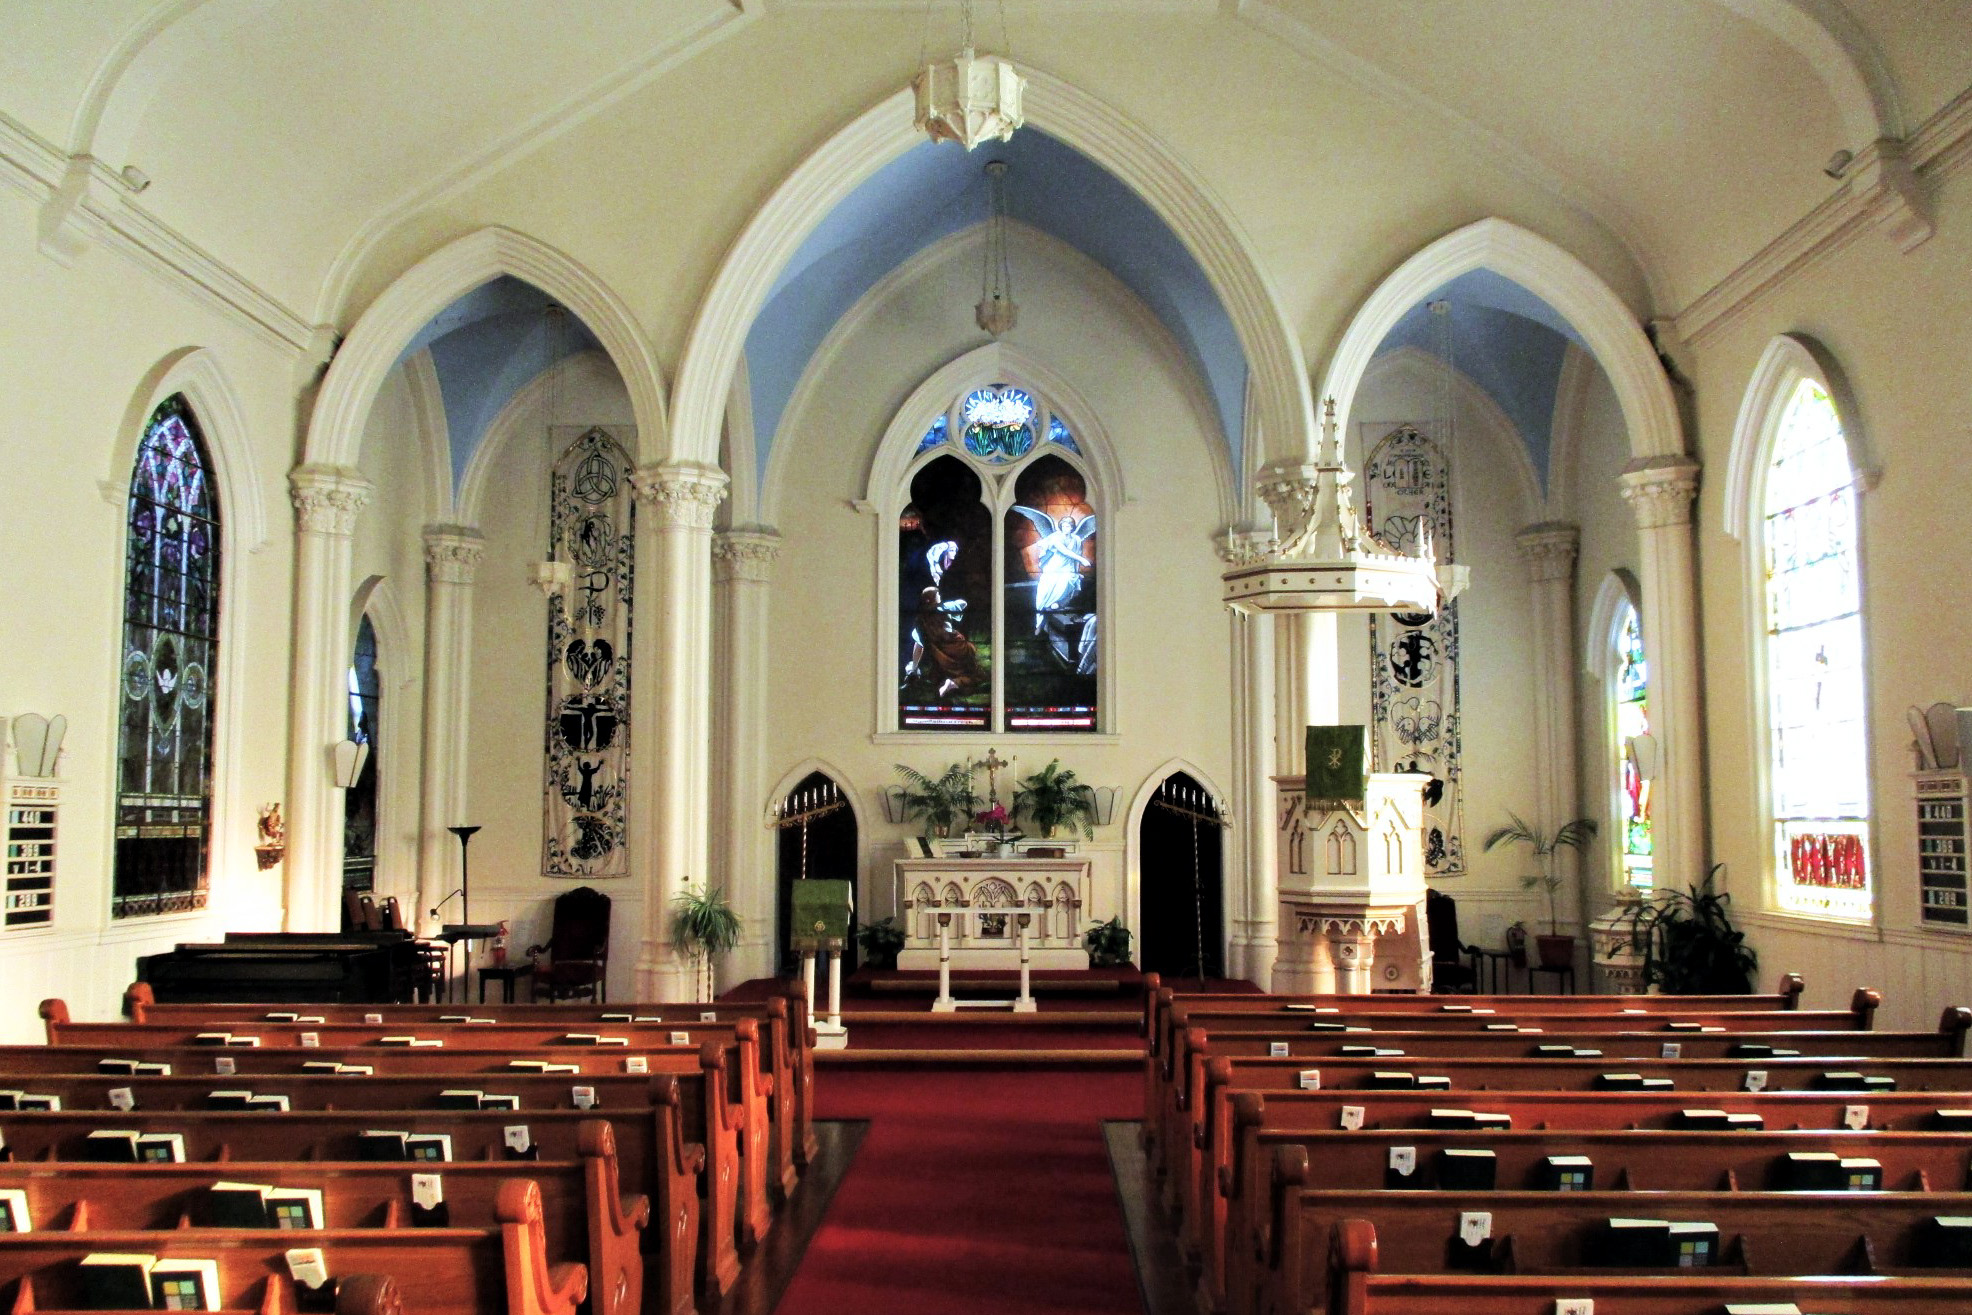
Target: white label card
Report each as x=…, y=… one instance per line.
x=427, y=1189
x=1855, y=1117
x=1575, y=1305
x=311, y=1040
x=1672, y=1050
x=306, y=1266
x=681, y=1038
x=1474, y=1227
x=636, y=1064
x=1756, y=1079
x=708, y=1015
x=1351, y=1118
x=225, y=1066
x=1403, y=1159
x=122, y=1098
x=1277, y=1049
x=373, y=1018
x=582, y=1097
x=517, y=1137
x=1311, y=1079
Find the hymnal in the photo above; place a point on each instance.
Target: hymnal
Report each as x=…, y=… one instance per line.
x=428, y=1146
x=1567, y=1173
x=116, y=1280
x=1463, y=1170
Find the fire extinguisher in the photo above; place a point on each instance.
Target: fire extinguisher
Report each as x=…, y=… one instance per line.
x=500, y=947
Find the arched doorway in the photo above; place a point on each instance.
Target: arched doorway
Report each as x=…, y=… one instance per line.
x=1183, y=925
x=831, y=855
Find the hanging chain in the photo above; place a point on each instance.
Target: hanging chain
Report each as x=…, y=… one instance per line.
x=1197, y=904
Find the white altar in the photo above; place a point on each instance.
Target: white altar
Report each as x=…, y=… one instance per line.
x=984, y=897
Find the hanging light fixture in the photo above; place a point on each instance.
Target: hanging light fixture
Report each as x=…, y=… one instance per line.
x=996, y=311
x=969, y=99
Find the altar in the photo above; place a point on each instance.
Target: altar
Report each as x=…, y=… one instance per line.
x=985, y=897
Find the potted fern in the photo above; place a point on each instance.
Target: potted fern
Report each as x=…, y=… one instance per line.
x=1052, y=797
x=882, y=942
x=1556, y=949
x=1108, y=944
x=704, y=925
x=943, y=801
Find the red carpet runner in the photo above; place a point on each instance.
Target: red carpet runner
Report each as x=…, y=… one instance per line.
x=976, y=1192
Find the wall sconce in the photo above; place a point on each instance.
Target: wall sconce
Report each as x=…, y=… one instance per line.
x=1102, y=802
x=347, y=758
x=551, y=578
x=1643, y=751
x=893, y=803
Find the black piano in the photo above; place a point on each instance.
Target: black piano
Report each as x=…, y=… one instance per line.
x=371, y=967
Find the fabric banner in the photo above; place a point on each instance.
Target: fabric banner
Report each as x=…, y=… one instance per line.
x=592, y=527
x=1414, y=659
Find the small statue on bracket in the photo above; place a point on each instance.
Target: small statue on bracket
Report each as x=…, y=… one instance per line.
x=272, y=846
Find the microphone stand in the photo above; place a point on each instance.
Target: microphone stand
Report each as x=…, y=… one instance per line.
x=465, y=835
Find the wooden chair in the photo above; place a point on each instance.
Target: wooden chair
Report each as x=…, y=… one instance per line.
x=577, y=948
x=1454, y=964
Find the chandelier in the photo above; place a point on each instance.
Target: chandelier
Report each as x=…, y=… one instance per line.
x=996, y=312
x=969, y=99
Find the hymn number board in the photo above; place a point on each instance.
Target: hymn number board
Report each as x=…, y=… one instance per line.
x=1942, y=847
x=29, y=895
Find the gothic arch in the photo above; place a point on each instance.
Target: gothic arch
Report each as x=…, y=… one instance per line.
x=1229, y=899
x=1607, y=325
x=1279, y=402
x=1787, y=360
x=196, y=372
x=1502, y=438
x=335, y=429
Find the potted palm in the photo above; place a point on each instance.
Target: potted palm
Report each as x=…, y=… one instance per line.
x=704, y=925
x=1690, y=946
x=1557, y=950
x=1052, y=797
x=943, y=801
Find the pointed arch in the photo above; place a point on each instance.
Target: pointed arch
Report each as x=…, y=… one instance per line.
x=1133, y=845
x=1618, y=590
x=800, y=772
x=197, y=373
x=397, y=751
x=1173, y=190
x=434, y=436
x=1504, y=442
x=1607, y=325
x=335, y=429
x=1787, y=360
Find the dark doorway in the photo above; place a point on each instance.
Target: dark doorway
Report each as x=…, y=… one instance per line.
x=1183, y=922
x=831, y=855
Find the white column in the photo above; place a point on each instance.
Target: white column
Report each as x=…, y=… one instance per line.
x=744, y=849
x=1549, y=551
x=944, y=1004
x=670, y=739
x=835, y=990
x=452, y=556
x=1253, y=748
x=327, y=502
x=1660, y=491
x=1024, y=1004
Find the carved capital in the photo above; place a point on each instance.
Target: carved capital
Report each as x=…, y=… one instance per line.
x=745, y=555
x=682, y=496
x=328, y=499
x=1549, y=549
x=1659, y=491
x=452, y=554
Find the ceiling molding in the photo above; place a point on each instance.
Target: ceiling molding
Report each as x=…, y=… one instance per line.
x=332, y=305
x=110, y=70
x=1600, y=209
x=1843, y=56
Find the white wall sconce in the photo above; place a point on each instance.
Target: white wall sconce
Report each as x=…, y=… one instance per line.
x=1102, y=803
x=1644, y=752
x=551, y=578
x=893, y=803
x=346, y=758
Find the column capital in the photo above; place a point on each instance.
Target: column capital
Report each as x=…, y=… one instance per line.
x=1660, y=490
x=745, y=555
x=452, y=553
x=1549, y=550
x=682, y=494
x=328, y=499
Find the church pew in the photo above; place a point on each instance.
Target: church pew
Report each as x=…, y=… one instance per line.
x=584, y=1213
x=435, y=1271
x=1760, y=1234
x=1216, y=1163
x=1195, y=1047
x=747, y=1087
x=653, y=1158
x=787, y=1042
x=1640, y=1161
x=1365, y=1292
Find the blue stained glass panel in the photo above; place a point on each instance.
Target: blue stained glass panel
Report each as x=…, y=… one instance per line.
x=941, y=429
x=1058, y=433
x=999, y=423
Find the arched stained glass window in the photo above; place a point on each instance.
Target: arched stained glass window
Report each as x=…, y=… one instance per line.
x=359, y=801
x=997, y=592
x=1819, y=759
x=170, y=647
x=1632, y=698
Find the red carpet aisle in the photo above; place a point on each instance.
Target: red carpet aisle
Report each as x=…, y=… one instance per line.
x=976, y=1192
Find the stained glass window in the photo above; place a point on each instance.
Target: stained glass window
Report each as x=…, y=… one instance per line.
x=170, y=642
x=997, y=616
x=1632, y=720
x=1818, y=751
x=359, y=803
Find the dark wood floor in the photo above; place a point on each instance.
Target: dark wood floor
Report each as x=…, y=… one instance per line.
x=768, y=1271
x=1160, y=1272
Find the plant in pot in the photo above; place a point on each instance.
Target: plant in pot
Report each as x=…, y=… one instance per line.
x=704, y=925
x=943, y=801
x=1108, y=944
x=1556, y=949
x=1052, y=798
x=881, y=942
x=1690, y=946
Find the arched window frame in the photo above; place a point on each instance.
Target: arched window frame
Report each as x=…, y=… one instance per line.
x=1789, y=361
x=897, y=463
x=234, y=888
x=1616, y=601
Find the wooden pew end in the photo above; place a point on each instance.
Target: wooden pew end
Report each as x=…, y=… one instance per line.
x=1864, y=1005
x=1791, y=986
x=369, y=1294
x=1953, y=1023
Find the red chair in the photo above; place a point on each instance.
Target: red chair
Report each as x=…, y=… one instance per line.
x=577, y=949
